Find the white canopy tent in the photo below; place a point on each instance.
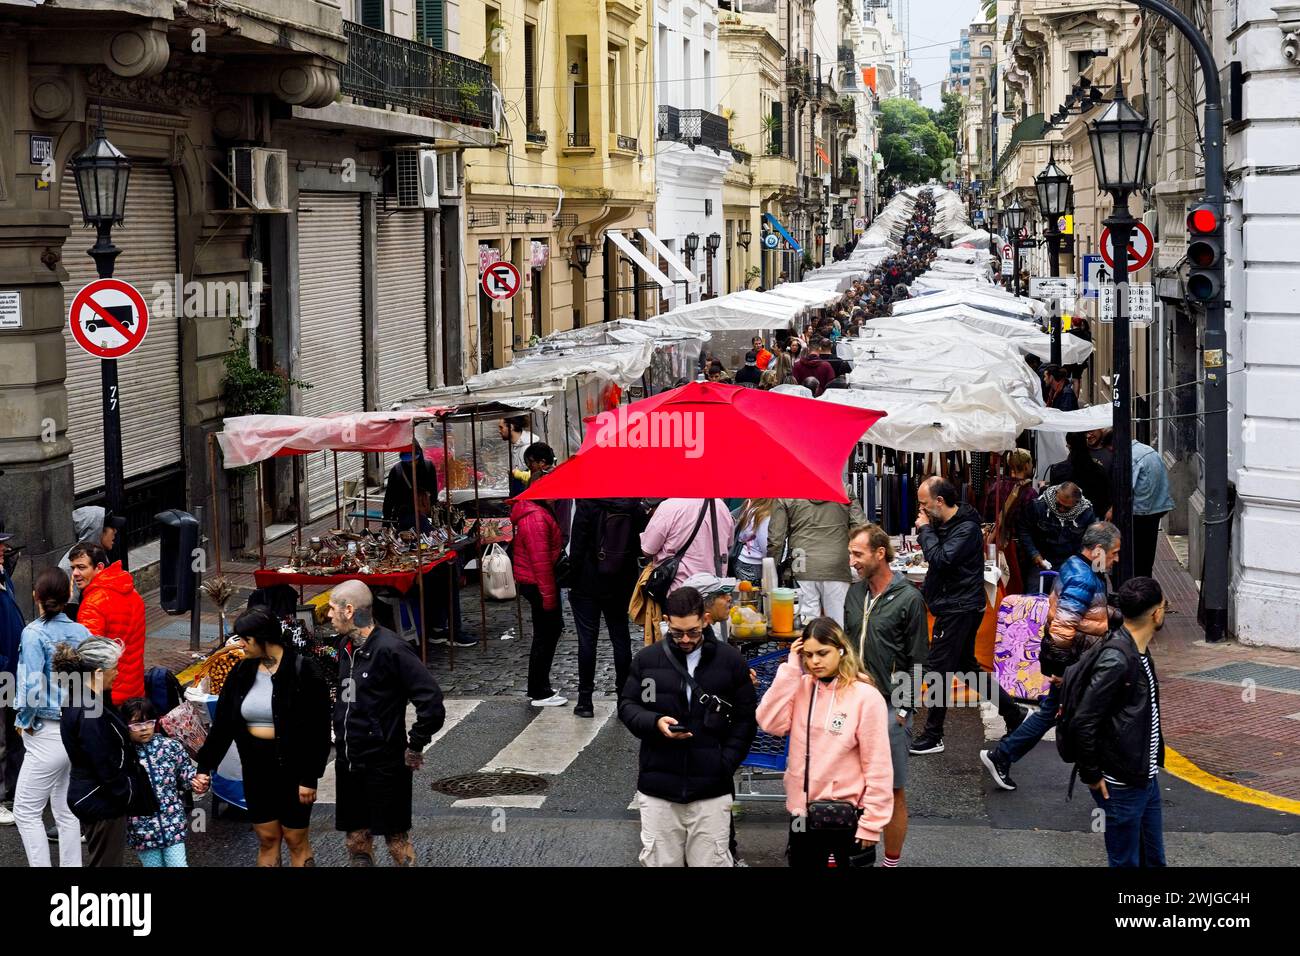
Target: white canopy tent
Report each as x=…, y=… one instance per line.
x=986, y=299
x=1028, y=338
x=744, y=311
x=802, y=292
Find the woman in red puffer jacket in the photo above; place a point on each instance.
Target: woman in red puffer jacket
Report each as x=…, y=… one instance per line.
x=534, y=552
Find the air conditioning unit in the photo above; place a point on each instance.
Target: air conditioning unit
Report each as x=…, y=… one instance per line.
x=448, y=175
x=413, y=180
x=261, y=178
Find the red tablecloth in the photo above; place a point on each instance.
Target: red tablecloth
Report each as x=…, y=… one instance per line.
x=401, y=581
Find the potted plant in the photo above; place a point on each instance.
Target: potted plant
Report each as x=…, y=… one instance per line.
x=752, y=274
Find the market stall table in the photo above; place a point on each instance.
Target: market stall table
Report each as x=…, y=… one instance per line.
x=401, y=581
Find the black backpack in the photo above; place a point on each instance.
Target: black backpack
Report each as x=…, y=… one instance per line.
x=163, y=690
x=1075, y=684
x=618, y=544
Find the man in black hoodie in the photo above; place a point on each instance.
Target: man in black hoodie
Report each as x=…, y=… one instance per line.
x=694, y=731
x=953, y=543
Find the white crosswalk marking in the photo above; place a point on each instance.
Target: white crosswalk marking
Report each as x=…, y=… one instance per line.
x=457, y=710
x=548, y=745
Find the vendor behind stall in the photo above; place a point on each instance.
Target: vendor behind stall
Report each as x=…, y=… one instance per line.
x=442, y=584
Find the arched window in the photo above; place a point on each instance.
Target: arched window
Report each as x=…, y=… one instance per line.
x=986, y=50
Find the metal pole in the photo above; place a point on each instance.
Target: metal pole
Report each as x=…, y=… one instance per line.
x=196, y=606
x=419, y=540
x=452, y=578
x=478, y=535
x=105, y=254
x=1120, y=223
x=297, y=509
x=338, y=508
x=1054, y=270
x=261, y=525
x=216, y=501
x=1214, y=344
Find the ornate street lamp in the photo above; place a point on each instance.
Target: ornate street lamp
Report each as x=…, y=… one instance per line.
x=580, y=258
x=691, y=244
x=1054, y=195
x=102, y=172
x=1013, y=217
x=713, y=243
x=744, y=236
x=1121, y=141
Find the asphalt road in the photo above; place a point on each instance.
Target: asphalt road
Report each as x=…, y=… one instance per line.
x=582, y=817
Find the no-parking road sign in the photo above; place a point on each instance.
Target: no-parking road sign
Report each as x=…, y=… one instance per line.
x=1140, y=247
x=501, y=280
x=108, y=318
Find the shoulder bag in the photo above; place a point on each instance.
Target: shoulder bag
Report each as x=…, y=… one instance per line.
x=717, y=712
x=824, y=815
x=661, y=578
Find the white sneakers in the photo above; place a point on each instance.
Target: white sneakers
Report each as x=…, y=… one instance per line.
x=555, y=700
x=6, y=816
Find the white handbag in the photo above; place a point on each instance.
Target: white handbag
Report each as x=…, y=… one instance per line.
x=498, y=575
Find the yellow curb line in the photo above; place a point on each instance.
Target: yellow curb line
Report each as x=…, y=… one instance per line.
x=186, y=677
x=1184, y=769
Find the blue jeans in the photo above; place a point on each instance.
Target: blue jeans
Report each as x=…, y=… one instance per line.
x=1014, y=746
x=1134, y=825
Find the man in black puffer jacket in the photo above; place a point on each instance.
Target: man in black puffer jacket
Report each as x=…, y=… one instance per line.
x=953, y=543
x=694, y=734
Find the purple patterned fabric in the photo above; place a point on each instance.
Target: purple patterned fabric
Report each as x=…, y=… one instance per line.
x=1022, y=618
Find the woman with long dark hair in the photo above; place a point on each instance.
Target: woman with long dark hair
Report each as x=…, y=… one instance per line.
x=46, y=770
x=839, y=776
x=275, y=708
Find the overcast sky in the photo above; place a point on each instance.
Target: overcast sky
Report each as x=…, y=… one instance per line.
x=936, y=26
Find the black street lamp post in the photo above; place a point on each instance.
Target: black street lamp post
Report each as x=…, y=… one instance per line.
x=1121, y=140
x=102, y=173
x=1014, y=218
x=1053, y=188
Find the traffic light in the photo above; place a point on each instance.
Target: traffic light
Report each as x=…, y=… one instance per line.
x=1205, y=253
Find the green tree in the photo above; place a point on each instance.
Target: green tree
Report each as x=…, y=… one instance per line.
x=990, y=9
x=949, y=118
x=913, y=146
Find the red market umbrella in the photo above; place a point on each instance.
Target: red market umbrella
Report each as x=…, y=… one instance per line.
x=706, y=440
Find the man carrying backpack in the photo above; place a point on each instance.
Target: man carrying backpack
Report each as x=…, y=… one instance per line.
x=603, y=553
x=1113, y=731
x=1078, y=612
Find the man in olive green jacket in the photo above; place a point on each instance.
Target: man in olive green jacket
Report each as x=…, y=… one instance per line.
x=815, y=536
x=885, y=619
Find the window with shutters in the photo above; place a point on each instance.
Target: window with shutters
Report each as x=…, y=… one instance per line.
x=372, y=13
x=530, y=76
x=430, y=23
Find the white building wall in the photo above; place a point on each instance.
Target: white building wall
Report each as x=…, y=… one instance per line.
x=690, y=181
x=1264, y=328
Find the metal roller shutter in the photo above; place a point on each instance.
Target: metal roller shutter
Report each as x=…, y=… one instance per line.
x=400, y=265
x=331, y=345
x=149, y=377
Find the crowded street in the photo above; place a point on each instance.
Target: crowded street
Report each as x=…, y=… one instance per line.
x=883, y=472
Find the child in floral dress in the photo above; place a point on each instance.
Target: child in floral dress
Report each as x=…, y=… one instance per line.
x=159, y=840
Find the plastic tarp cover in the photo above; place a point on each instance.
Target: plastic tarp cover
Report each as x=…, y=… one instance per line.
x=622, y=364
x=984, y=299
x=806, y=294
x=248, y=439
x=1029, y=339
x=745, y=311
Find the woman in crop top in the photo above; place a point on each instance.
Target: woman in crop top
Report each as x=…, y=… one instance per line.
x=275, y=708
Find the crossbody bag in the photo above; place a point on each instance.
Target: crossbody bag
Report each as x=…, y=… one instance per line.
x=718, y=713
x=661, y=578
x=824, y=815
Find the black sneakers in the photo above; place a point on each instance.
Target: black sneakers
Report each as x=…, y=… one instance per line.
x=926, y=744
x=999, y=770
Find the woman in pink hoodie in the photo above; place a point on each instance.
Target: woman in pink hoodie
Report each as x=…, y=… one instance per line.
x=534, y=551
x=839, y=747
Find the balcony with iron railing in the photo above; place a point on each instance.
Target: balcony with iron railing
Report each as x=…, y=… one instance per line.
x=694, y=128
x=389, y=72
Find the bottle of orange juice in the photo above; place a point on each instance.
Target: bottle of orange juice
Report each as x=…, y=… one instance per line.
x=782, y=603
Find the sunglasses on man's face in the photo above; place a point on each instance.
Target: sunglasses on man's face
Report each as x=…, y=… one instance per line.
x=683, y=635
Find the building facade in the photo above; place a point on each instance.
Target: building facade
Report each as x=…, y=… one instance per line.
x=304, y=257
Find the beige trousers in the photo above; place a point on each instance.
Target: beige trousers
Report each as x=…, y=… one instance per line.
x=685, y=834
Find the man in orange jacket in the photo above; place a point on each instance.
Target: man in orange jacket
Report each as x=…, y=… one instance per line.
x=762, y=353
x=110, y=607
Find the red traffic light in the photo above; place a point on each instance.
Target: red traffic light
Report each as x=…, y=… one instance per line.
x=1203, y=219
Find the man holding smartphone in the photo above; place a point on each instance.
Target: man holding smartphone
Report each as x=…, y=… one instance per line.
x=690, y=701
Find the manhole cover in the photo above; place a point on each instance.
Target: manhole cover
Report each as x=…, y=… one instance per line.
x=490, y=785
